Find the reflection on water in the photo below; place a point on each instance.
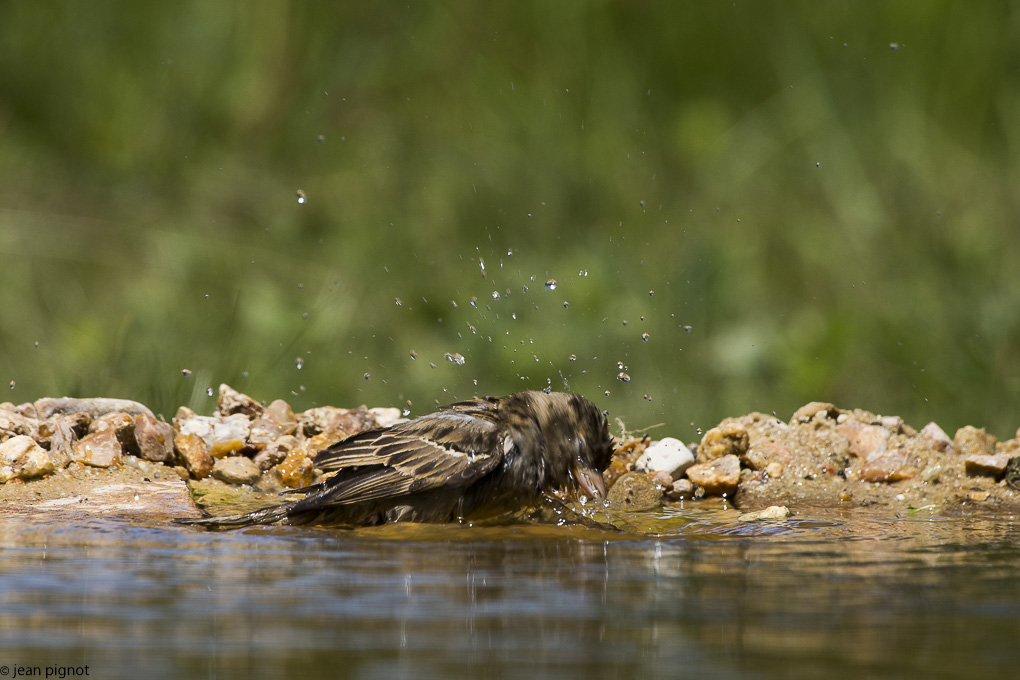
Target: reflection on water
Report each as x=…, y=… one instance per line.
x=842, y=596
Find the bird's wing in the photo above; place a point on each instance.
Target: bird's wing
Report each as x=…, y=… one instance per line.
x=446, y=449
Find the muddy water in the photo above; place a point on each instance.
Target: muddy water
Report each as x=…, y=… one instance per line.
x=824, y=595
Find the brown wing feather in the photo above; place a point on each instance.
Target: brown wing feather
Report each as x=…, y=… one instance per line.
x=450, y=448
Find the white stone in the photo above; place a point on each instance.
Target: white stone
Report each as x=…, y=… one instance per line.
x=666, y=455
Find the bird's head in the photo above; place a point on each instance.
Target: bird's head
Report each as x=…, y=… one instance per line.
x=562, y=441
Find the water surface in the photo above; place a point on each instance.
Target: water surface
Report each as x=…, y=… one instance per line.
x=836, y=594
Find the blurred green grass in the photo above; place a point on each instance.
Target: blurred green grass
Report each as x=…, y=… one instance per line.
x=822, y=198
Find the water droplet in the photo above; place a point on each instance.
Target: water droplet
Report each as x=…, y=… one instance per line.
x=305, y=316
x=400, y=303
x=647, y=398
x=431, y=365
x=456, y=358
x=474, y=301
x=414, y=355
x=524, y=288
x=550, y=284
x=495, y=295
x=481, y=266
x=474, y=331
x=454, y=303
x=301, y=196
x=645, y=336
x=572, y=357
x=13, y=385
x=367, y=376
x=320, y=139
x=688, y=329
x=651, y=293
x=513, y=315
x=406, y=412
x=624, y=322
x=566, y=305
x=209, y=392
x=300, y=363
x=583, y=273
x=607, y=393
x=620, y=366
x=37, y=344
x=186, y=372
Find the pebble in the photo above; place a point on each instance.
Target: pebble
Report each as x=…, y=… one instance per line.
x=21, y=456
x=984, y=465
x=973, y=440
x=231, y=402
x=154, y=439
x=95, y=408
x=99, y=449
x=634, y=491
x=224, y=435
x=716, y=477
x=729, y=438
x=866, y=441
x=667, y=455
x=194, y=455
x=773, y=513
x=297, y=469
x=936, y=438
x=236, y=470
x=681, y=489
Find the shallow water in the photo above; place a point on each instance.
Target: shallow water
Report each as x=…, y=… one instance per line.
x=836, y=594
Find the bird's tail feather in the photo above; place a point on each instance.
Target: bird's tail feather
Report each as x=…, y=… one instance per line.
x=275, y=514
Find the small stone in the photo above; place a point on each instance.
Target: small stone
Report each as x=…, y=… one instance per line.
x=729, y=438
x=866, y=441
x=280, y=413
x=635, y=492
x=892, y=423
x=264, y=432
x=224, y=435
x=386, y=417
x=774, y=469
x=890, y=465
x=667, y=455
x=99, y=449
x=972, y=440
x=661, y=478
x=814, y=410
x=716, y=477
x=341, y=422
x=13, y=423
x=236, y=470
x=978, y=496
x=773, y=513
x=297, y=469
x=681, y=489
x=276, y=452
x=93, y=407
x=21, y=456
x=762, y=453
x=121, y=424
x=231, y=401
x=936, y=438
x=983, y=465
x=194, y=454
x=155, y=439
x=62, y=438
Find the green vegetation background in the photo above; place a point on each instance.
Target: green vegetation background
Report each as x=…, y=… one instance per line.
x=797, y=201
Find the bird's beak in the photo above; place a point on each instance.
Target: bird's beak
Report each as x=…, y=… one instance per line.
x=590, y=480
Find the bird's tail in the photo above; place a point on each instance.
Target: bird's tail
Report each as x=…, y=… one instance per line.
x=275, y=514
